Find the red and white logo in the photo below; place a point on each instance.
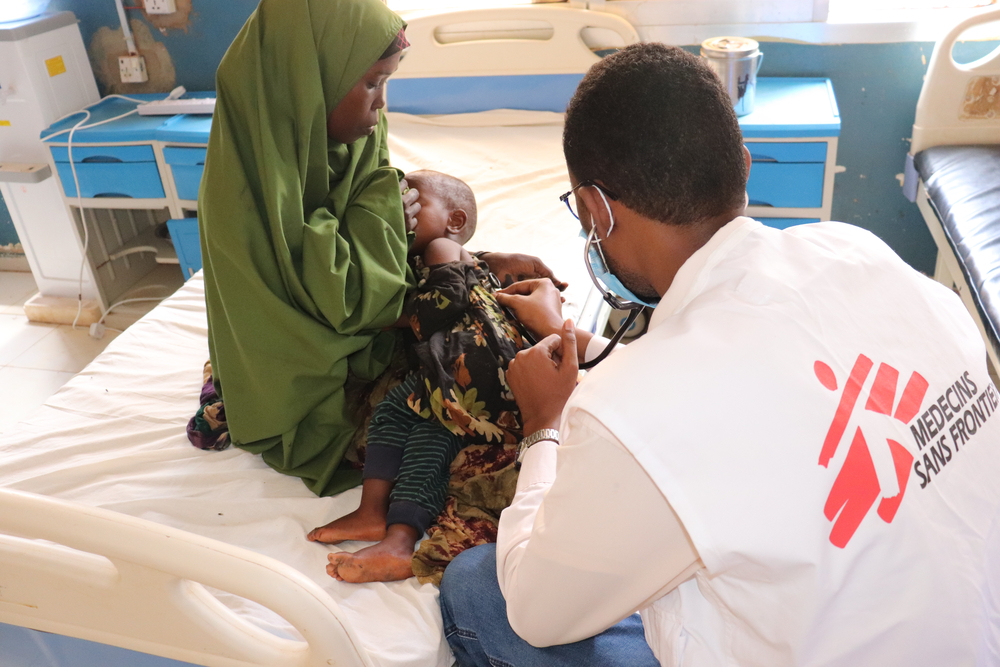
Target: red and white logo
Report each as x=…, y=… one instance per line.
x=857, y=487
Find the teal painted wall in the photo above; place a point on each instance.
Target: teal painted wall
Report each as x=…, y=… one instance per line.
x=195, y=51
x=8, y=235
x=877, y=86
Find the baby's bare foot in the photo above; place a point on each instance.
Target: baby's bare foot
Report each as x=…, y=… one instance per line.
x=358, y=525
x=389, y=560
x=381, y=562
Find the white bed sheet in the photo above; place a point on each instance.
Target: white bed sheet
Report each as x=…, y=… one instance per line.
x=114, y=437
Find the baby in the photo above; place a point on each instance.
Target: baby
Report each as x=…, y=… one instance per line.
x=458, y=396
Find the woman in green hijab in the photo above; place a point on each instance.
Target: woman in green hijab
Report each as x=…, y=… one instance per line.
x=304, y=232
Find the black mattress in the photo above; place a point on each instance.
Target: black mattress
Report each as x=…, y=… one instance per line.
x=964, y=187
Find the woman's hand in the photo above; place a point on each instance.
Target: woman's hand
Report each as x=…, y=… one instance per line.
x=410, y=204
x=512, y=267
x=543, y=377
x=536, y=304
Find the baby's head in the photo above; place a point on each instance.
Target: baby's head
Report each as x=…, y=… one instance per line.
x=447, y=208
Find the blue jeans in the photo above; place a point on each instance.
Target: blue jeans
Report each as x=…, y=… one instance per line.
x=475, y=623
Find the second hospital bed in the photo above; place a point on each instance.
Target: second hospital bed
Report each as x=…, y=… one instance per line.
x=115, y=530
x=953, y=174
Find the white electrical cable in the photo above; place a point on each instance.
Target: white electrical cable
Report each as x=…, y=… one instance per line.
x=97, y=329
x=86, y=113
x=129, y=41
x=76, y=182
x=124, y=301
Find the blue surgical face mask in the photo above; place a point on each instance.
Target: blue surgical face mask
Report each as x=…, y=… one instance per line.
x=612, y=289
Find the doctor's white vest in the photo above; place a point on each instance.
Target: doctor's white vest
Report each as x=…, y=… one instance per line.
x=820, y=418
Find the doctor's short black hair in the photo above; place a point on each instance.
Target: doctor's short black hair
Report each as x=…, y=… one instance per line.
x=655, y=126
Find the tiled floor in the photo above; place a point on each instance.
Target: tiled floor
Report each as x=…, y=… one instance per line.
x=35, y=359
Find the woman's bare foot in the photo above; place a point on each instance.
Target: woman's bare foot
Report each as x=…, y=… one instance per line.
x=358, y=525
x=367, y=523
x=389, y=560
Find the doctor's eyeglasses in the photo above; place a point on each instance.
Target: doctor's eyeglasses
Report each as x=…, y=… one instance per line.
x=568, y=199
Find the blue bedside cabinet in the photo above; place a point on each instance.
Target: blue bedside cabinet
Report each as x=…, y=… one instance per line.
x=792, y=136
x=135, y=173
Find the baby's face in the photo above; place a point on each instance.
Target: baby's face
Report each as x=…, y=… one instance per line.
x=432, y=220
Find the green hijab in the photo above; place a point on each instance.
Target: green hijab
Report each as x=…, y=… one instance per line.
x=303, y=239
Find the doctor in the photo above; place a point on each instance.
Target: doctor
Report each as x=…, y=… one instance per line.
x=796, y=465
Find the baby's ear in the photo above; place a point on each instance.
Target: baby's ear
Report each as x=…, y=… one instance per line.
x=456, y=221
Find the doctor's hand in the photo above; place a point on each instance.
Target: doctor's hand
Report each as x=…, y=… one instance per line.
x=536, y=304
x=511, y=267
x=542, y=378
x=410, y=205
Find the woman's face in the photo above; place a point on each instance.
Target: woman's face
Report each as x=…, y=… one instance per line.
x=357, y=114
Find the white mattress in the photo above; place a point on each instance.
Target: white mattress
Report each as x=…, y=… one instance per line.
x=114, y=437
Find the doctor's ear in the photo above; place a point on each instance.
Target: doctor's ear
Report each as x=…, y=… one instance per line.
x=592, y=205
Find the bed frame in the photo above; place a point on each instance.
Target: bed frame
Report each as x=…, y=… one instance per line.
x=955, y=108
x=115, y=579
x=98, y=575
x=529, y=57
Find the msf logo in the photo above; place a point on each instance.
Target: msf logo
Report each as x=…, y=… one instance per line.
x=857, y=487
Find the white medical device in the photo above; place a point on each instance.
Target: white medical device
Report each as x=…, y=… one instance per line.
x=44, y=74
x=169, y=107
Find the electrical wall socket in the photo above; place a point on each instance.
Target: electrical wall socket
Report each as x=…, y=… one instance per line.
x=160, y=6
x=132, y=69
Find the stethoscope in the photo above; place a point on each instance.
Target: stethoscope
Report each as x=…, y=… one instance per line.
x=612, y=300
x=615, y=339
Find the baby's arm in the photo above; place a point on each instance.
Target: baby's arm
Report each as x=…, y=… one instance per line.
x=444, y=296
x=443, y=251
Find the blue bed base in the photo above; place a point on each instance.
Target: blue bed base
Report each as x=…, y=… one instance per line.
x=469, y=94
x=21, y=647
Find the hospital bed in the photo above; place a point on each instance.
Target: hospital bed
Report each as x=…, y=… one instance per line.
x=115, y=530
x=953, y=174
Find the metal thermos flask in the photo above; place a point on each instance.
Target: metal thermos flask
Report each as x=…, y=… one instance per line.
x=736, y=61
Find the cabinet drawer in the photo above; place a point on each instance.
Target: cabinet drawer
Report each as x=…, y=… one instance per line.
x=186, y=155
x=110, y=171
x=795, y=185
x=136, y=180
x=774, y=151
x=184, y=235
x=186, y=165
x=785, y=223
x=104, y=154
x=187, y=179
